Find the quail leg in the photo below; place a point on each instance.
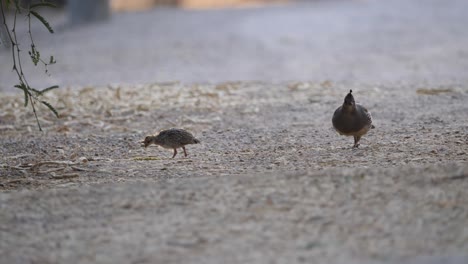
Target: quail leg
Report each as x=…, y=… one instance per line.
x=185, y=152
x=356, y=141
x=175, y=153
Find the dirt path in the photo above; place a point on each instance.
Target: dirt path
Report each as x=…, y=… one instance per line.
x=271, y=181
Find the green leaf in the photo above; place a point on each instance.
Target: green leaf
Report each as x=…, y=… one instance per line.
x=25, y=90
x=38, y=57
x=42, y=4
x=37, y=92
x=40, y=18
x=51, y=108
x=34, y=54
x=48, y=89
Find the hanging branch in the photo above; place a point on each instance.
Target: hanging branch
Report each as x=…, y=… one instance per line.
x=31, y=94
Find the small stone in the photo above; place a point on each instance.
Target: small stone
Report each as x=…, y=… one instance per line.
x=83, y=159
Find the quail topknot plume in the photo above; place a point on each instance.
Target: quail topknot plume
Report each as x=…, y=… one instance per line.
x=173, y=138
x=352, y=119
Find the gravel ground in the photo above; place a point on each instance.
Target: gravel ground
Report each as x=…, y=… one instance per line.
x=271, y=181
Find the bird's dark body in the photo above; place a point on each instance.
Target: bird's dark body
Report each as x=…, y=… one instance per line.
x=351, y=119
x=173, y=138
x=355, y=122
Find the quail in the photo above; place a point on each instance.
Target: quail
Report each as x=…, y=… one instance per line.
x=173, y=138
x=352, y=119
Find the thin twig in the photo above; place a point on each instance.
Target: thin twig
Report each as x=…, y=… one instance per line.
x=12, y=167
x=80, y=169
x=16, y=181
x=66, y=176
x=51, y=170
x=170, y=122
x=35, y=115
x=11, y=40
x=22, y=170
x=22, y=77
x=19, y=156
x=99, y=159
x=53, y=162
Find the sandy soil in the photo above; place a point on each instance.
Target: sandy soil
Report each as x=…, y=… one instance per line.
x=270, y=182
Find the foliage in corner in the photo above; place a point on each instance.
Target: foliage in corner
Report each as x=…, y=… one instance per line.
x=32, y=96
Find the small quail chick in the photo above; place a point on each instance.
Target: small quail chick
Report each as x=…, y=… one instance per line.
x=173, y=138
x=352, y=119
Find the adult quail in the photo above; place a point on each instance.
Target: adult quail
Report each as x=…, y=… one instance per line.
x=173, y=138
x=352, y=119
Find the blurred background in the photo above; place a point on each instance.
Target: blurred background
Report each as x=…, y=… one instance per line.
x=144, y=4
x=138, y=5
x=105, y=42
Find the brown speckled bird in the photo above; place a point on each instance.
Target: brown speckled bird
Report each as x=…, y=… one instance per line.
x=352, y=119
x=173, y=138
